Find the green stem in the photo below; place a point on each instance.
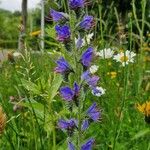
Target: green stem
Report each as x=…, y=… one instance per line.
x=9, y=139
x=52, y=120
x=141, y=62
x=126, y=77
x=39, y=128
x=141, y=30
x=76, y=71
x=119, y=123
x=100, y=16
x=54, y=138
x=79, y=127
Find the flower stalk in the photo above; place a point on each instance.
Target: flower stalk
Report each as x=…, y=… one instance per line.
x=78, y=25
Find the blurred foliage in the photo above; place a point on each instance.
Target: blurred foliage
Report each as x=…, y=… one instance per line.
x=9, y=25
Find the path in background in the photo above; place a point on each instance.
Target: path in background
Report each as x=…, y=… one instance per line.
x=3, y=56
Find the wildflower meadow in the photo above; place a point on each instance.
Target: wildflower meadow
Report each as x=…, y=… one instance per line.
x=75, y=75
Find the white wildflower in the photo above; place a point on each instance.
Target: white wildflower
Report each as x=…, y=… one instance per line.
x=86, y=38
x=105, y=53
x=93, y=69
x=89, y=37
x=125, y=58
x=98, y=91
x=79, y=42
x=16, y=54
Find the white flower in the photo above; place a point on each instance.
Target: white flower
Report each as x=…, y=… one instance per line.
x=125, y=58
x=105, y=53
x=89, y=37
x=98, y=91
x=80, y=42
x=86, y=38
x=16, y=54
x=93, y=69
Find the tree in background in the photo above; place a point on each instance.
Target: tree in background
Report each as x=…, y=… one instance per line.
x=23, y=26
x=24, y=14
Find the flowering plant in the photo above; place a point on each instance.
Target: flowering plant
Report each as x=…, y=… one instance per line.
x=79, y=121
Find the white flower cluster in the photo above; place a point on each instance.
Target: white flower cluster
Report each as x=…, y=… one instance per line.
x=84, y=40
x=123, y=57
x=93, y=69
x=105, y=53
x=98, y=91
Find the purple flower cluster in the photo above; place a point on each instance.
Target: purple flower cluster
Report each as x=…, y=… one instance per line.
x=76, y=4
x=73, y=95
x=85, y=146
x=93, y=112
x=68, y=125
x=87, y=23
x=62, y=66
x=69, y=94
x=63, y=33
x=87, y=57
x=91, y=80
x=58, y=16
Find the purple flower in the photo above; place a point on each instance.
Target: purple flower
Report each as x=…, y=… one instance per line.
x=57, y=16
x=71, y=146
x=87, y=56
x=93, y=112
x=76, y=89
x=98, y=91
x=87, y=22
x=63, y=124
x=67, y=93
x=85, y=124
x=88, y=145
x=85, y=75
x=68, y=125
x=90, y=80
x=75, y=4
x=79, y=43
x=62, y=66
x=63, y=33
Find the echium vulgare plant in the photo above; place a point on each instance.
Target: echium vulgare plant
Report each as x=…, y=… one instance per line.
x=77, y=73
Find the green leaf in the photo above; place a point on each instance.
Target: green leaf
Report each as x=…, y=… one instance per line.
x=38, y=107
x=53, y=4
x=51, y=32
x=55, y=84
x=141, y=133
x=52, y=43
x=30, y=86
